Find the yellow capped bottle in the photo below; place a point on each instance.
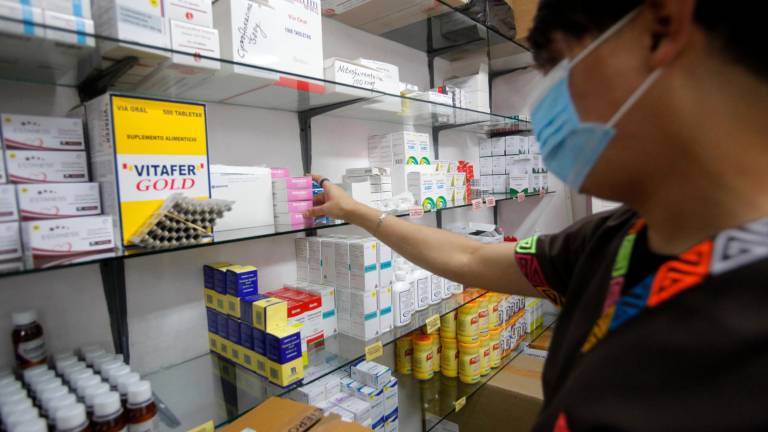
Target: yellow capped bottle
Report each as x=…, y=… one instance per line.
x=485, y=355
x=469, y=363
x=449, y=357
x=422, y=357
x=482, y=315
x=448, y=325
x=495, y=341
x=435, y=353
x=404, y=355
x=467, y=328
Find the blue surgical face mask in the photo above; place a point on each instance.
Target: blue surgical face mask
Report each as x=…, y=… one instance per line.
x=569, y=146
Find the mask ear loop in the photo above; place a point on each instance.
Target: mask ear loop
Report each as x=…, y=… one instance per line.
x=606, y=34
x=636, y=95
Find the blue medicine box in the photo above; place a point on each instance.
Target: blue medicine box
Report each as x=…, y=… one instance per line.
x=246, y=335
x=242, y=281
x=283, y=345
x=259, y=342
x=233, y=330
x=213, y=320
x=223, y=326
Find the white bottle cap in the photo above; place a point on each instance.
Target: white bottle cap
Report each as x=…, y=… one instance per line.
x=41, y=386
x=401, y=275
x=63, y=354
x=108, y=366
x=74, y=367
x=77, y=375
x=139, y=392
x=90, y=352
x=57, y=403
x=84, y=383
x=34, y=370
x=106, y=404
x=19, y=417
x=70, y=416
x=100, y=359
x=12, y=395
x=23, y=318
x=124, y=380
x=116, y=373
x=37, y=425
x=50, y=394
x=93, y=391
x=38, y=378
x=15, y=407
x=6, y=376
x=9, y=386
x=63, y=362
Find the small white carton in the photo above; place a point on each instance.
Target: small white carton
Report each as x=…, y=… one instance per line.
x=76, y=31
x=76, y=8
x=58, y=200
x=486, y=166
x=364, y=314
x=197, y=12
x=302, y=259
x=498, y=146
x=327, y=253
x=315, y=260
x=386, y=318
x=363, y=274
x=126, y=21
x=500, y=183
x=23, y=132
x=8, y=206
x=10, y=242
x=27, y=166
x=499, y=165
x=371, y=374
x=248, y=186
x=22, y=20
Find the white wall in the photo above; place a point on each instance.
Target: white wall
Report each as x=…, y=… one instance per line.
x=166, y=315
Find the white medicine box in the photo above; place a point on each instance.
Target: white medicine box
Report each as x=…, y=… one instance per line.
x=486, y=147
x=75, y=8
x=273, y=34
x=197, y=12
x=498, y=146
x=486, y=166
x=250, y=188
x=499, y=165
x=194, y=60
x=24, y=132
x=362, y=265
x=140, y=21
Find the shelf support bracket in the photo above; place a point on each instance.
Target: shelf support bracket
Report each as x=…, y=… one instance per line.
x=99, y=81
x=113, y=282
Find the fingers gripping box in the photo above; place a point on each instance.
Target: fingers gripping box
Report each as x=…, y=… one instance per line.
x=143, y=151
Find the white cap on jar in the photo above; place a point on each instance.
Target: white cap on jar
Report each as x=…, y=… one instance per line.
x=84, y=383
x=106, y=404
x=23, y=318
x=36, y=425
x=108, y=366
x=93, y=391
x=71, y=416
x=20, y=417
x=124, y=380
x=58, y=403
x=15, y=407
x=89, y=352
x=115, y=373
x=32, y=371
x=63, y=362
x=139, y=392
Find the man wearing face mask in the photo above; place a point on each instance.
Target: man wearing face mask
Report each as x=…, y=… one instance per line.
x=660, y=104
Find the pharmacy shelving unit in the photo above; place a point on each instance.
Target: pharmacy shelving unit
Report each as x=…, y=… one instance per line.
x=223, y=391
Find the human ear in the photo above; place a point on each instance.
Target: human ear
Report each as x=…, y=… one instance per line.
x=671, y=26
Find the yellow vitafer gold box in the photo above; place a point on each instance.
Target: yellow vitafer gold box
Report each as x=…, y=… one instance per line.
x=269, y=314
x=285, y=374
x=143, y=151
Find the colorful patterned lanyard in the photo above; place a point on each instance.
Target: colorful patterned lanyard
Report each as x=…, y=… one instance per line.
x=731, y=249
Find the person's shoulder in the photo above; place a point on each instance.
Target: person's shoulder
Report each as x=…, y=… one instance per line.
x=609, y=221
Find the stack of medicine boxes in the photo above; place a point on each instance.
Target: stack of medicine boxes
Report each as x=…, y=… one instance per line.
x=367, y=394
x=371, y=186
x=441, y=186
x=292, y=196
x=46, y=158
x=195, y=45
x=358, y=273
x=250, y=329
x=401, y=152
x=512, y=165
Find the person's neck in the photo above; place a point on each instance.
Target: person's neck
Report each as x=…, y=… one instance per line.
x=704, y=197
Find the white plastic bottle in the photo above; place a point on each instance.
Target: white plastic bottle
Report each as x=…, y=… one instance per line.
x=402, y=299
x=71, y=418
x=421, y=277
x=436, y=290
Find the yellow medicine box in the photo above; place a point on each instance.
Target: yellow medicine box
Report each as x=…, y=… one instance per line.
x=220, y=303
x=233, y=306
x=270, y=314
x=286, y=374
x=224, y=347
x=214, y=342
x=209, y=296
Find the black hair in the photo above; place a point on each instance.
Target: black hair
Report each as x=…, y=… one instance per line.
x=733, y=28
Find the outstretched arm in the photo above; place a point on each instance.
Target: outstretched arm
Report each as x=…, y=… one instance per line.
x=471, y=263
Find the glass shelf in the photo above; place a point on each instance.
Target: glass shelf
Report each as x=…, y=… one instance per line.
x=43, y=61
x=449, y=29
x=210, y=387
x=439, y=394
x=219, y=238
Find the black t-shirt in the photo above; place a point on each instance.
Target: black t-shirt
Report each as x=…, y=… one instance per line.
x=686, y=345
